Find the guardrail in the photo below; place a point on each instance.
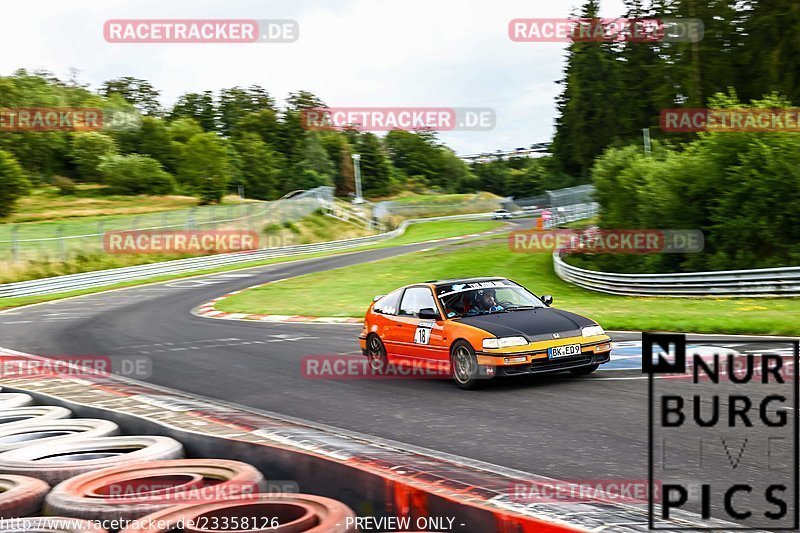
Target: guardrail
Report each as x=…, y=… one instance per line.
x=729, y=283
x=101, y=278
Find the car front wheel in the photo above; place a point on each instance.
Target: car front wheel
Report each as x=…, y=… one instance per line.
x=464, y=366
x=376, y=353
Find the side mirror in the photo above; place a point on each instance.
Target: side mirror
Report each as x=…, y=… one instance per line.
x=547, y=300
x=428, y=313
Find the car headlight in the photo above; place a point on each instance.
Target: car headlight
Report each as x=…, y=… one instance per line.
x=591, y=331
x=504, y=342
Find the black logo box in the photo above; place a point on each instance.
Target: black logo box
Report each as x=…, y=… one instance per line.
x=663, y=366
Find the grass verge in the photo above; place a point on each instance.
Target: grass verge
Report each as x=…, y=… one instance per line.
x=415, y=233
x=348, y=291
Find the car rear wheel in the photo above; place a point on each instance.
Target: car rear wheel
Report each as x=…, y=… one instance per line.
x=464, y=366
x=376, y=353
x=584, y=370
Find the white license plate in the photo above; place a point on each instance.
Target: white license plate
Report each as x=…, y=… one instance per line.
x=564, y=351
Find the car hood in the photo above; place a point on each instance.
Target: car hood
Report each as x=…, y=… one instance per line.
x=534, y=324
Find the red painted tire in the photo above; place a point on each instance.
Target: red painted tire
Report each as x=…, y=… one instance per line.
x=295, y=513
x=10, y=400
x=49, y=524
x=132, y=491
x=22, y=434
x=21, y=496
x=28, y=414
x=62, y=460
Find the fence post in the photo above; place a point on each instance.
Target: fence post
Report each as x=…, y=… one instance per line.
x=14, y=243
x=61, y=241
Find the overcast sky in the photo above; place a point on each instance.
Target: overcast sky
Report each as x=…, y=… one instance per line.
x=356, y=53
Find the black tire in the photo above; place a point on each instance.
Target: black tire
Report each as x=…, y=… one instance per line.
x=584, y=370
x=464, y=366
x=376, y=353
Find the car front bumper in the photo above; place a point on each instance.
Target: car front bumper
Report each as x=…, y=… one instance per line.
x=512, y=363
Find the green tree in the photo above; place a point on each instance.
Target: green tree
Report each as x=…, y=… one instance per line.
x=205, y=167
x=586, y=106
x=199, y=106
x=87, y=150
x=139, y=93
x=258, y=168
x=13, y=183
x=236, y=103
x=376, y=171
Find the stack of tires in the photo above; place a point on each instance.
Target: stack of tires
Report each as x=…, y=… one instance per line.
x=63, y=474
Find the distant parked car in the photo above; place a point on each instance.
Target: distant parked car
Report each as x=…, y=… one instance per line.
x=501, y=214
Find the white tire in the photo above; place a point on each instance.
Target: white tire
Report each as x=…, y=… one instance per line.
x=20, y=496
x=22, y=434
x=62, y=460
x=21, y=415
x=10, y=400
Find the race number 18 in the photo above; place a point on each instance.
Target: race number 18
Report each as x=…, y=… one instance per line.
x=422, y=336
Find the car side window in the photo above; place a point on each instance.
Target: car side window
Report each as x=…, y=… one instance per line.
x=388, y=304
x=414, y=299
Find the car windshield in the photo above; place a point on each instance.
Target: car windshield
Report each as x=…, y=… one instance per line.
x=468, y=300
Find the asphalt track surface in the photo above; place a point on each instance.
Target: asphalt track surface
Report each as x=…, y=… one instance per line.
x=593, y=427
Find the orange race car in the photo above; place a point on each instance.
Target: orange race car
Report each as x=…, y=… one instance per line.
x=478, y=329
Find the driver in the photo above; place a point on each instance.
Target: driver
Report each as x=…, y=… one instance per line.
x=486, y=302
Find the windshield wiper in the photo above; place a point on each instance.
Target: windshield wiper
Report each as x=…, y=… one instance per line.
x=521, y=308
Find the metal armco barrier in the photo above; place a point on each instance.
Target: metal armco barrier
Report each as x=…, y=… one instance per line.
x=729, y=283
x=101, y=278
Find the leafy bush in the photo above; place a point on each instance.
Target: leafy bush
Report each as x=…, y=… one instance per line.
x=87, y=151
x=13, y=183
x=135, y=174
x=741, y=189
